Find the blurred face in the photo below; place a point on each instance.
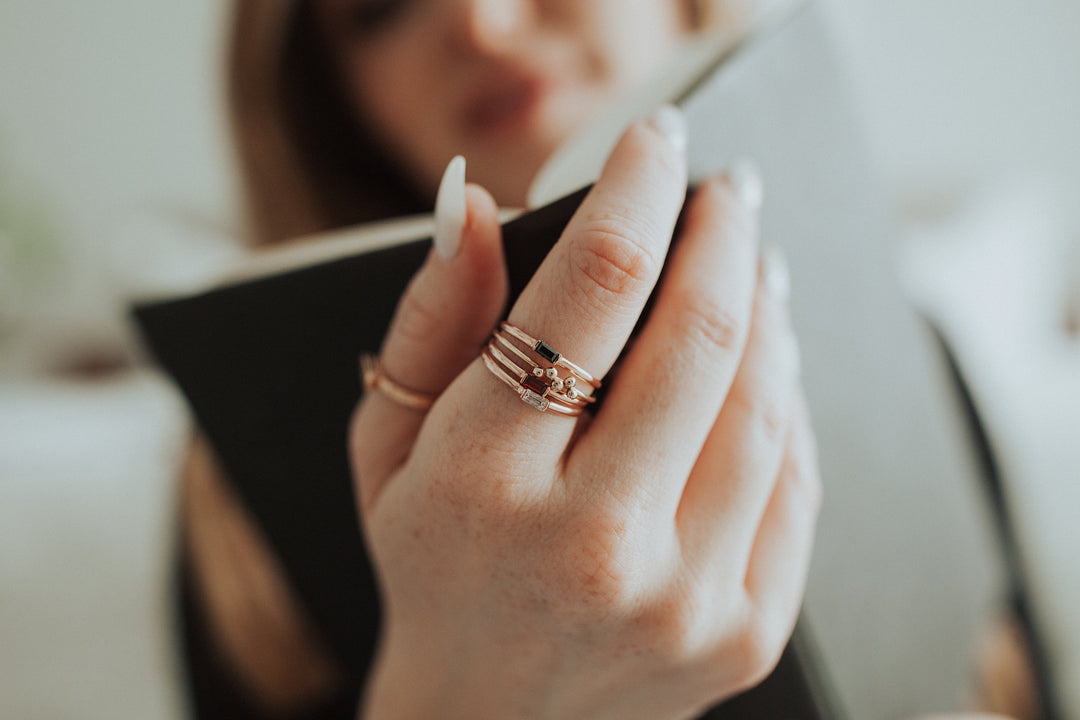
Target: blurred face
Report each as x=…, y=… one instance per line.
x=501, y=82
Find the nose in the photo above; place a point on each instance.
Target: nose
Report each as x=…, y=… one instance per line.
x=486, y=26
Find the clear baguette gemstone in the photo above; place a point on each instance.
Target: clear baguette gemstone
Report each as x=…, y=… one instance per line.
x=531, y=398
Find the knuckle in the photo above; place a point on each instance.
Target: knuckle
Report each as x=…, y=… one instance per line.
x=609, y=258
x=766, y=415
x=771, y=420
x=758, y=648
x=676, y=631
x=601, y=572
x=708, y=325
x=501, y=506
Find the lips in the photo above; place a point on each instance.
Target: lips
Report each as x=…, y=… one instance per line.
x=505, y=104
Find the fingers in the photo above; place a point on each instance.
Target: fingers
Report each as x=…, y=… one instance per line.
x=729, y=487
x=780, y=560
x=587, y=295
x=670, y=389
x=441, y=323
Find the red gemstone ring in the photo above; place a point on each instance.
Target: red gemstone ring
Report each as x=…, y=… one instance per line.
x=540, y=375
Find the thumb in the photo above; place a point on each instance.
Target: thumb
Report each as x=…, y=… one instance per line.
x=441, y=323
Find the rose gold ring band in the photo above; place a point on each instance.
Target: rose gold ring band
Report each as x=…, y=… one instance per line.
x=375, y=378
x=538, y=382
x=548, y=353
x=567, y=386
x=529, y=397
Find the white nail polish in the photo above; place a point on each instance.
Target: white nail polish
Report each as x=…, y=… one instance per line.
x=670, y=122
x=450, y=210
x=745, y=178
x=777, y=275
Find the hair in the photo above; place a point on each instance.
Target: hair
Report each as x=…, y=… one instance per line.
x=306, y=164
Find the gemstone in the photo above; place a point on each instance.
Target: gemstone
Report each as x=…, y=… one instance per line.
x=571, y=382
x=538, y=371
x=547, y=352
x=552, y=373
x=556, y=384
x=534, y=384
x=531, y=398
x=573, y=393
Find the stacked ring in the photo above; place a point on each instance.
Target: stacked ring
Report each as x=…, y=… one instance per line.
x=538, y=382
x=547, y=352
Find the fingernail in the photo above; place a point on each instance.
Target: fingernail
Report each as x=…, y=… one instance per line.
x=450, y=210
x=774, y=268
x=670, y=122
x=745, y=178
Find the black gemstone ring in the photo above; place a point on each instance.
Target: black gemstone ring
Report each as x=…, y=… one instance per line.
x=544, y=388
x=548, y=353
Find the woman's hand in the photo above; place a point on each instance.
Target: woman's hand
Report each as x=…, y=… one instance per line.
x=646, y=563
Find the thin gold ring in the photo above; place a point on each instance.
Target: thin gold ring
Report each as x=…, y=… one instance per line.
x=540, y=387
x=375, y=378
x=548, y=353
x=529, y=397
x=567, y=386
x=538, y=384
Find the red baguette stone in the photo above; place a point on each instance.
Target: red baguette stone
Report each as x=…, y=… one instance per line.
x=536, y=384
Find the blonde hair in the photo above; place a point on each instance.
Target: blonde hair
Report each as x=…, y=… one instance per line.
x=305, y=163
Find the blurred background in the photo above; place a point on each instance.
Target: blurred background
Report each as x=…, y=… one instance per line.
x=116, y=178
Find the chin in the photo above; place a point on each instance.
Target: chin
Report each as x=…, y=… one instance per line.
x=506, y=165
x=508, y=174
x=510, y=189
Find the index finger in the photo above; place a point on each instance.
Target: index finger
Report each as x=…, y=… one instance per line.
x=587, y=295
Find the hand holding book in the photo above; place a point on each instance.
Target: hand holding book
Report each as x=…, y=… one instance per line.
x=679, y=518
x=268, y=359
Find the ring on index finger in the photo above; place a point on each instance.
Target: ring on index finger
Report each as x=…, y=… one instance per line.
x=540, y=375
x=375, y=378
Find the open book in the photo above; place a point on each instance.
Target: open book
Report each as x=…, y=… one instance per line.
x=268, y=359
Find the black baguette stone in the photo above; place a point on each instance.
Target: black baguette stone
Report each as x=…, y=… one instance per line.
x=547, y=352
